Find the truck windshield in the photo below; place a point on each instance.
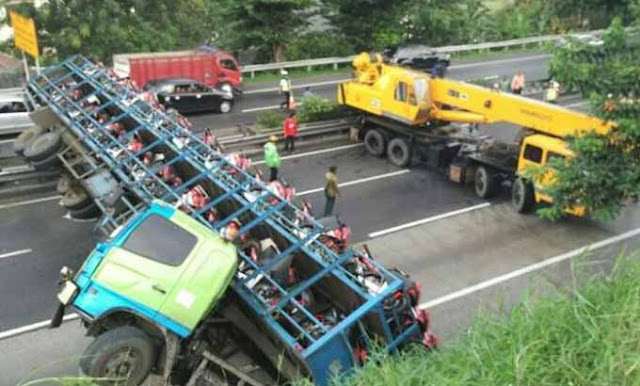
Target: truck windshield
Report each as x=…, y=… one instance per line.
x=160, y=240
x=420, y=88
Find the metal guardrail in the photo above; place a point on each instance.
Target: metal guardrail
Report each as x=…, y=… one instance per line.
x=335, y=61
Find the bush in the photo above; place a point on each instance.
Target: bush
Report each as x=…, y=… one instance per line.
x=269, y=120
x=320, y=109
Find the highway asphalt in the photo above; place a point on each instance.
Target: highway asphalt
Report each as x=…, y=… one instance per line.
x=264, y=96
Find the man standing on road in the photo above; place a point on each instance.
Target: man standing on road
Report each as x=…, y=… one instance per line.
x=331, y=190
x=290, y=131
x=285, y=89
x=271, y=157
x=553, y=92
x=517, y=84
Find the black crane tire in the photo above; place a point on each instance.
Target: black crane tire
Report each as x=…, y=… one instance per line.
x=522, y=195
x=486, y=183
x=43, y=146
x=375, y=142
x=399, y=152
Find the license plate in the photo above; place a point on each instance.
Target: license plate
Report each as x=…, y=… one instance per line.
x=67, y=292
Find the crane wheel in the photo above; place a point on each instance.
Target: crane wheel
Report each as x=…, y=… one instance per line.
x=486, y=183
x=399, y=152
x=375, y=142
x=522, y=195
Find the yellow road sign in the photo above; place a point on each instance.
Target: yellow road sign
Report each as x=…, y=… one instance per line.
x=24, y=34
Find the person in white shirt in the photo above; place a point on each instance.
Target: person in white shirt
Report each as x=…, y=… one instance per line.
x=285, y=89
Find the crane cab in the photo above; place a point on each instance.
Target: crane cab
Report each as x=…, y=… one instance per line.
x=537, y=151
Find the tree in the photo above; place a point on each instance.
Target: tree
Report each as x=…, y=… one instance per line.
x=368, y=24
x=102, y=28
x=265, y=22
x=605, y=170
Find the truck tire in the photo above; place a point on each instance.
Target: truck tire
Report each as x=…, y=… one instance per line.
x=64, y=184
x=399, y=152
x=76, y=199
x=224, y=107
x=124, y=352
x=49, y=163
x=375, y=142
x=486, y=183
x=522, y=195
x=88, y=212
x=25, y=138
x=43, y=146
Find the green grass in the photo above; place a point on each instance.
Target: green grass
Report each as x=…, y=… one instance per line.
x=588, y=337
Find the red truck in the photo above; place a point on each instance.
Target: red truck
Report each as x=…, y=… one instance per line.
x=211, y=67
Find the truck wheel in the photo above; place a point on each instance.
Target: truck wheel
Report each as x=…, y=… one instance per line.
x=399, y=152
x=76, y=199
x=88, y=212
x=125, y=354
x=63, y=184
x=522, y=195
x=224, y=107
x=486, y=183
x=49, y=163
x=43, y=146
x=25, y=138
x=375, y=142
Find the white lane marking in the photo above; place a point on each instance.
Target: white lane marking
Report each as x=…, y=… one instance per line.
x=499, y=61
x=7, y=141
x=310, y=153
x=276, y=89
x=33, y=327
x=356, y=182
x=274, y=107
x=29, y=202
x=428, y=220
x=261, y=109
x=15, y=253
x=530, y=268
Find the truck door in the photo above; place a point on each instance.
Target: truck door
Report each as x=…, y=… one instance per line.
x=147, y=263
x=229, y=71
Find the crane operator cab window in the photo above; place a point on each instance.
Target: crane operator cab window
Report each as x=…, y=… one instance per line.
x=533, y=154
x=402, y=90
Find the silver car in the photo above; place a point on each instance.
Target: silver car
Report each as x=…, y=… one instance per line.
x=14, y=114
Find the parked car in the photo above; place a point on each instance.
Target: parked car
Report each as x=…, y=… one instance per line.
x=207, y=65
x=14, y=114
x=417, y=57
x=189, y=95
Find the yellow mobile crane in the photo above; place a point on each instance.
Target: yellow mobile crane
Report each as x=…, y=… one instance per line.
x=402, y=109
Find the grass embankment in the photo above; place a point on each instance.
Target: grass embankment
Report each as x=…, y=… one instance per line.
x=590, y=337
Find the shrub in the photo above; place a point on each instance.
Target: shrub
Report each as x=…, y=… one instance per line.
x=269, y=120
x=319, y=109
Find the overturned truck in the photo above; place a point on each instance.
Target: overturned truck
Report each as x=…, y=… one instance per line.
x=207, y=275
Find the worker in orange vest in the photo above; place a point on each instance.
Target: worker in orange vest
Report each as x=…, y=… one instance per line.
x=290, y=131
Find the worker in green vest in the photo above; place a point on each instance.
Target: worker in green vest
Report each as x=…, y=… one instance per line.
x=271, y=157
x=553, y=92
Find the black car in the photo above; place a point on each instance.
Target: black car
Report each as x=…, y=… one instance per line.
x=418, y=57
x=188, y=95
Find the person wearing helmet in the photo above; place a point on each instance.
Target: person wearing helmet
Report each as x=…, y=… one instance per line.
x=285, y=89
x=271, y=157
